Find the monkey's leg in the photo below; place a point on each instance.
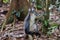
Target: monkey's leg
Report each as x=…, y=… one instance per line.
x=36, y=37
x=30, y=37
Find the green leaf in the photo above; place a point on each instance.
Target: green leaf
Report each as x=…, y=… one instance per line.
x=5, y=1
x=10, y=19
x=55, y=24
x=45, y=23
x=39, y=7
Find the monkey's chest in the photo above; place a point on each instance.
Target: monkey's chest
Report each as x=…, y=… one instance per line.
x=32, y=22
x=32, y=17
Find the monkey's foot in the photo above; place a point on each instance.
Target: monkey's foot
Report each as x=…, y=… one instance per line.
x=30, y=37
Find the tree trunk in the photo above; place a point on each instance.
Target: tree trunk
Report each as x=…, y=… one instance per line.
x=17, y=4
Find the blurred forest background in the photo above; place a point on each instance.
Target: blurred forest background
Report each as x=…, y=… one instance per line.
x=13, y=13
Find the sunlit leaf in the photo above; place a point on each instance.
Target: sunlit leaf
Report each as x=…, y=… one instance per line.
x=5, y=1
